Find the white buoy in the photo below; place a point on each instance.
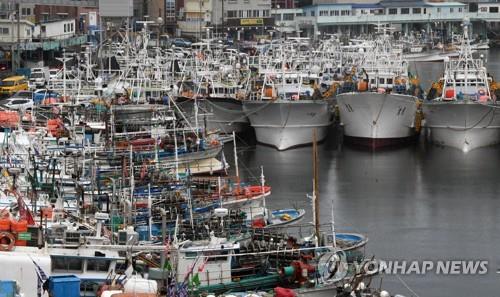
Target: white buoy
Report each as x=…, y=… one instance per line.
x=385, y=294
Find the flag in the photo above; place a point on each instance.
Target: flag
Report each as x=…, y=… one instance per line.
x=167, y=266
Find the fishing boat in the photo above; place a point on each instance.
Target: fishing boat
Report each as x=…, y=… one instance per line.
x=378, y=101
x=461, y=110
x=286, y=106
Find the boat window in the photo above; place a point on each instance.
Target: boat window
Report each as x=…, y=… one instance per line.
x=67, y=264
x=381, y=80
x=389, y=81
x=372, y=81
x=191, y=254
x=216, y=256
x=98, y=265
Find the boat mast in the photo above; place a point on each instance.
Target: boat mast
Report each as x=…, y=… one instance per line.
x=315, y=189
x=262, y=184
x=236, y=162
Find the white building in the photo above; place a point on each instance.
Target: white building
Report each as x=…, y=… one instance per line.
x=55, y=30
x=9, y=31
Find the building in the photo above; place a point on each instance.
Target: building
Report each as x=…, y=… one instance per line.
x=199, y=15
x=12, y=31
x=285, y=20
x=55, y=30
x=284, y=4
x=249, y=20
x=402, y=14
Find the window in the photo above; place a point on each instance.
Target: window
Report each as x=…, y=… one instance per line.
x=345, y=12
x=256, y=13
x=439, y=9
x=334, y=13
x=26, y=11
x=389, y=81
x=417, y=10
x=288, y=17
x=493, y=9
x=425, y=10
x=266, y=13
x=405, y=11
x=249, y=14
x=451, y=10
x=313, y=13
x=277, y=17
x=4, y=31
x=66, y=264
x=460, y=9
x=381, y=80
x=323, y=13
x=240, y=13
x=72, y=27
x=232, y=13
x=393, y=11
x=98, y=265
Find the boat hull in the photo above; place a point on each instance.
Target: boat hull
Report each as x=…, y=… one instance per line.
x=377, y=120
x=436, y=56
x=463, y=125
x=287, y=124
x=222, y=114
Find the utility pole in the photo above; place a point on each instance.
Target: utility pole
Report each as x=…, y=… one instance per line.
x=223, y=18
x=18, y=54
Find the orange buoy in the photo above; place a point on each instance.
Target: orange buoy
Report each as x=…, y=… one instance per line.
x=5, y=224
x=449, y=93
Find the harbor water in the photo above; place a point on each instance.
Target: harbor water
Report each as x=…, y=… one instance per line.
x=419, y=202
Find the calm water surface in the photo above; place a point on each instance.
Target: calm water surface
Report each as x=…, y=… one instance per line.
x=419, y=202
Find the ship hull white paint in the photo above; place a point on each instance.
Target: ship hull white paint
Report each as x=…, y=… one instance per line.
x=429, y=57
x=462, y=125
x=286, y=124
x=377, y=119
x=222, y=114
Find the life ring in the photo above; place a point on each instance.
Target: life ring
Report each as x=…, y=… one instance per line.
x=5, y=247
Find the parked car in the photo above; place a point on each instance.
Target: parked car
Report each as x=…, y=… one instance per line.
x=44, y=96
x=38, y=77
x=181, y=42
x=22, y=95
x=10, y=85
x=17, y=103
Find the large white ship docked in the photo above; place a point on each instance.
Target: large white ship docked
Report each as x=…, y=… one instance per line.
x=463, y=112
x=288, y=105
x=379, y=108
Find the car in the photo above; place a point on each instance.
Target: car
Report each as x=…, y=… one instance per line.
x=181, y=42
x=22, y=95
x=54, y=73
x=38, y=77
x=10, y=85
x=42, y=96
x=17, y=104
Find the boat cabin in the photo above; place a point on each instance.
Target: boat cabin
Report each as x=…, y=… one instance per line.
x=210, y=259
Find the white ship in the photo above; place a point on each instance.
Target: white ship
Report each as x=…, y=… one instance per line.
x=288, y=105
x=379, y=108
x=463, y=112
